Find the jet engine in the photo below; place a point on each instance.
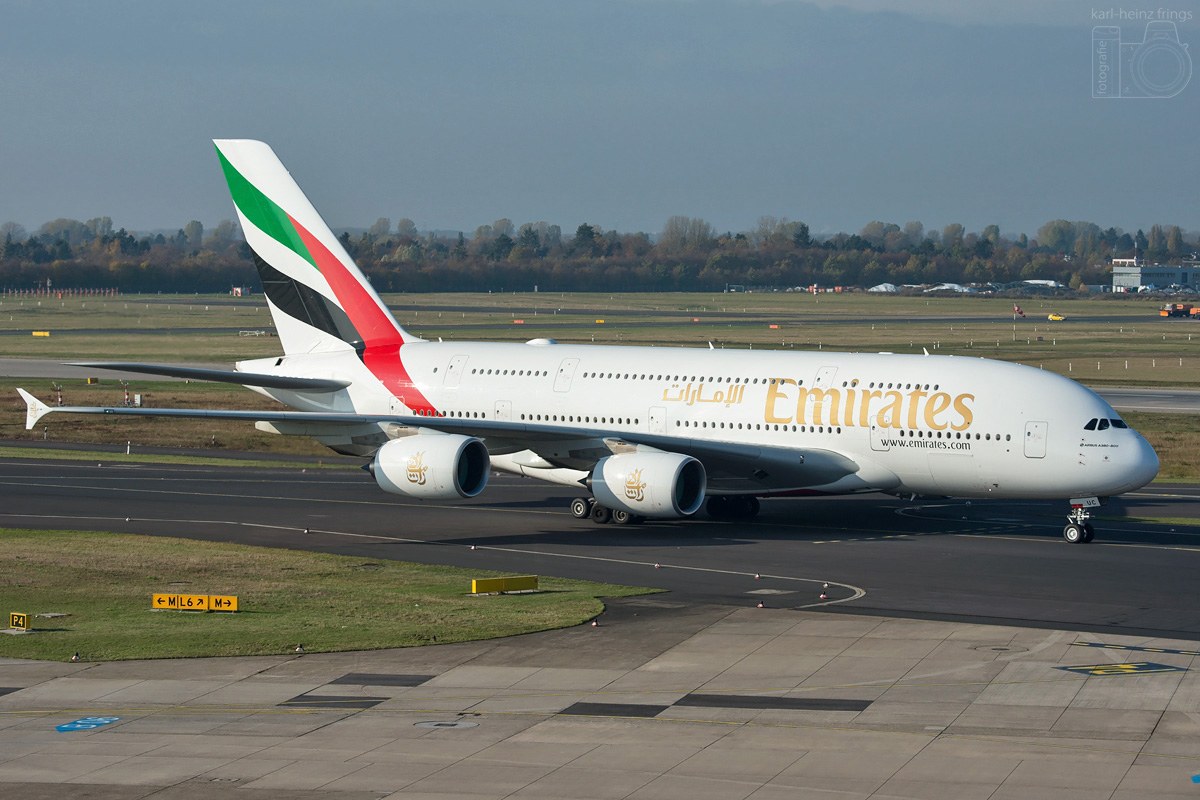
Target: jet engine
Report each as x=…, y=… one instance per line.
x=649, y=484
x=432, y=466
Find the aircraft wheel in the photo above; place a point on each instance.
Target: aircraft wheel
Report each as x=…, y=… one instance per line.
x=636, y=519
x=717, y=507
x=601, y=515
x=1074, y=534
x=621, y=516
x=581, y=508
x=1089, y=532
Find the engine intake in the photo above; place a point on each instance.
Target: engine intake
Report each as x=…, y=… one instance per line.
x=432, y=466
x=650, y=484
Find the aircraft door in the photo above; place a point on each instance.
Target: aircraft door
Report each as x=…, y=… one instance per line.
x=504, y=410
x=454, y=371
x=566, y=371
x=658, y=420
x=1035, y=439
x=825, y=377
x=880, y=434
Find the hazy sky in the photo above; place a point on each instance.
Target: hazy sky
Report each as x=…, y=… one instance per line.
x=621, y=114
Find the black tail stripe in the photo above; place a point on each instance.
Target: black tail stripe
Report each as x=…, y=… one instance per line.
x=306, y=305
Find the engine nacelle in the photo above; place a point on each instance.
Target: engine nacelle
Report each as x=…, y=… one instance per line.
x=650, y=484
x=432, y=466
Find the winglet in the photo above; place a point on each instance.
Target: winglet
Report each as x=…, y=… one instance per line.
x=34, y=409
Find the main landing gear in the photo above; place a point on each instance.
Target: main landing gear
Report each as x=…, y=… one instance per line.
x=732, y=507
x=584, y=507
x=1079, y=530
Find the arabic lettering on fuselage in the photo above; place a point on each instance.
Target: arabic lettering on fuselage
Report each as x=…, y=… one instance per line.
x=690, y=395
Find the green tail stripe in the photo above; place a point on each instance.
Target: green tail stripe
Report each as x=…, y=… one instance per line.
x=260, y=210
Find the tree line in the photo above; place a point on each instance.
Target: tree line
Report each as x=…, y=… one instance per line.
x=689, y=254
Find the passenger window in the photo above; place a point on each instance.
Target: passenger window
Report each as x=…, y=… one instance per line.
x=1091, y=426
x=1118, y=423
x=1103, y=426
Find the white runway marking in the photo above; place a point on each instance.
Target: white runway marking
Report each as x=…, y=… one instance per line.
x=856, y=592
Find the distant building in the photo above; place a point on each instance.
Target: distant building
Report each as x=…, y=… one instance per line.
x=1129, y=274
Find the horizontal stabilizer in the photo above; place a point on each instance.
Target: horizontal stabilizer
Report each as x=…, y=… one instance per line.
x=222, y=376
x=34, y=409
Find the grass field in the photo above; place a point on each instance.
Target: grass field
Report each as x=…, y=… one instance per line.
x=1176, y=439
x=1125, y=342
x=103, y=582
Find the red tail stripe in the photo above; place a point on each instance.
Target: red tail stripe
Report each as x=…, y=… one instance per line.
x=379, y=332
x=385, y=364
x=375, y=325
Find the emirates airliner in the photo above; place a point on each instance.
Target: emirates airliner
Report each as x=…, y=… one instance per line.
x=640, y=432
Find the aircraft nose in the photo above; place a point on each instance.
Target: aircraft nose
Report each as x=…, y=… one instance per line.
x=1143, y=467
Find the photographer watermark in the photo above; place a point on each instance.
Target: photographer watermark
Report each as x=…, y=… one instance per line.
x=1156, y=66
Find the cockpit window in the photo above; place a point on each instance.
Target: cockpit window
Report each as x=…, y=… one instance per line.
x=1118, y=423
x=1091, y=426
x=1103, y=426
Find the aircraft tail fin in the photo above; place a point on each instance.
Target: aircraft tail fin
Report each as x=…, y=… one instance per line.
x=319, y=299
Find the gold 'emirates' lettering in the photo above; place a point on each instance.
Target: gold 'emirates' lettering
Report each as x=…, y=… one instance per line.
x=890, y=414
x=936, y=405
x=960, y=405
x=823, y=400
x=774, y=392
x=828, y=406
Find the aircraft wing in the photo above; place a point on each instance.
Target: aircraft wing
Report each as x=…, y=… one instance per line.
x=733, y=466
x=221, y=376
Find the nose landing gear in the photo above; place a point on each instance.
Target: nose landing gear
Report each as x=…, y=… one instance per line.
x=1078, y=529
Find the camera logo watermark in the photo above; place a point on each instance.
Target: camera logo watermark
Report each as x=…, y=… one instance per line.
x=1156, y=66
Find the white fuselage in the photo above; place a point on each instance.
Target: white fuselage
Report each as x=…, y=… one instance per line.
x=939, y=425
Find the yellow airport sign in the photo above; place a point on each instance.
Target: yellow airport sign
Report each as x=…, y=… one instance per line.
x=194, y=602
x=18, y=621
x=41, y=333
x=220, y=602
x=520, y=583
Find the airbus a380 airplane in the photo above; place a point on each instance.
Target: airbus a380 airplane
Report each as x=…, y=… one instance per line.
x=650, y=432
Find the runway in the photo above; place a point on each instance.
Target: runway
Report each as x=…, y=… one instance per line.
x=1178, y=401
x=993, y=562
